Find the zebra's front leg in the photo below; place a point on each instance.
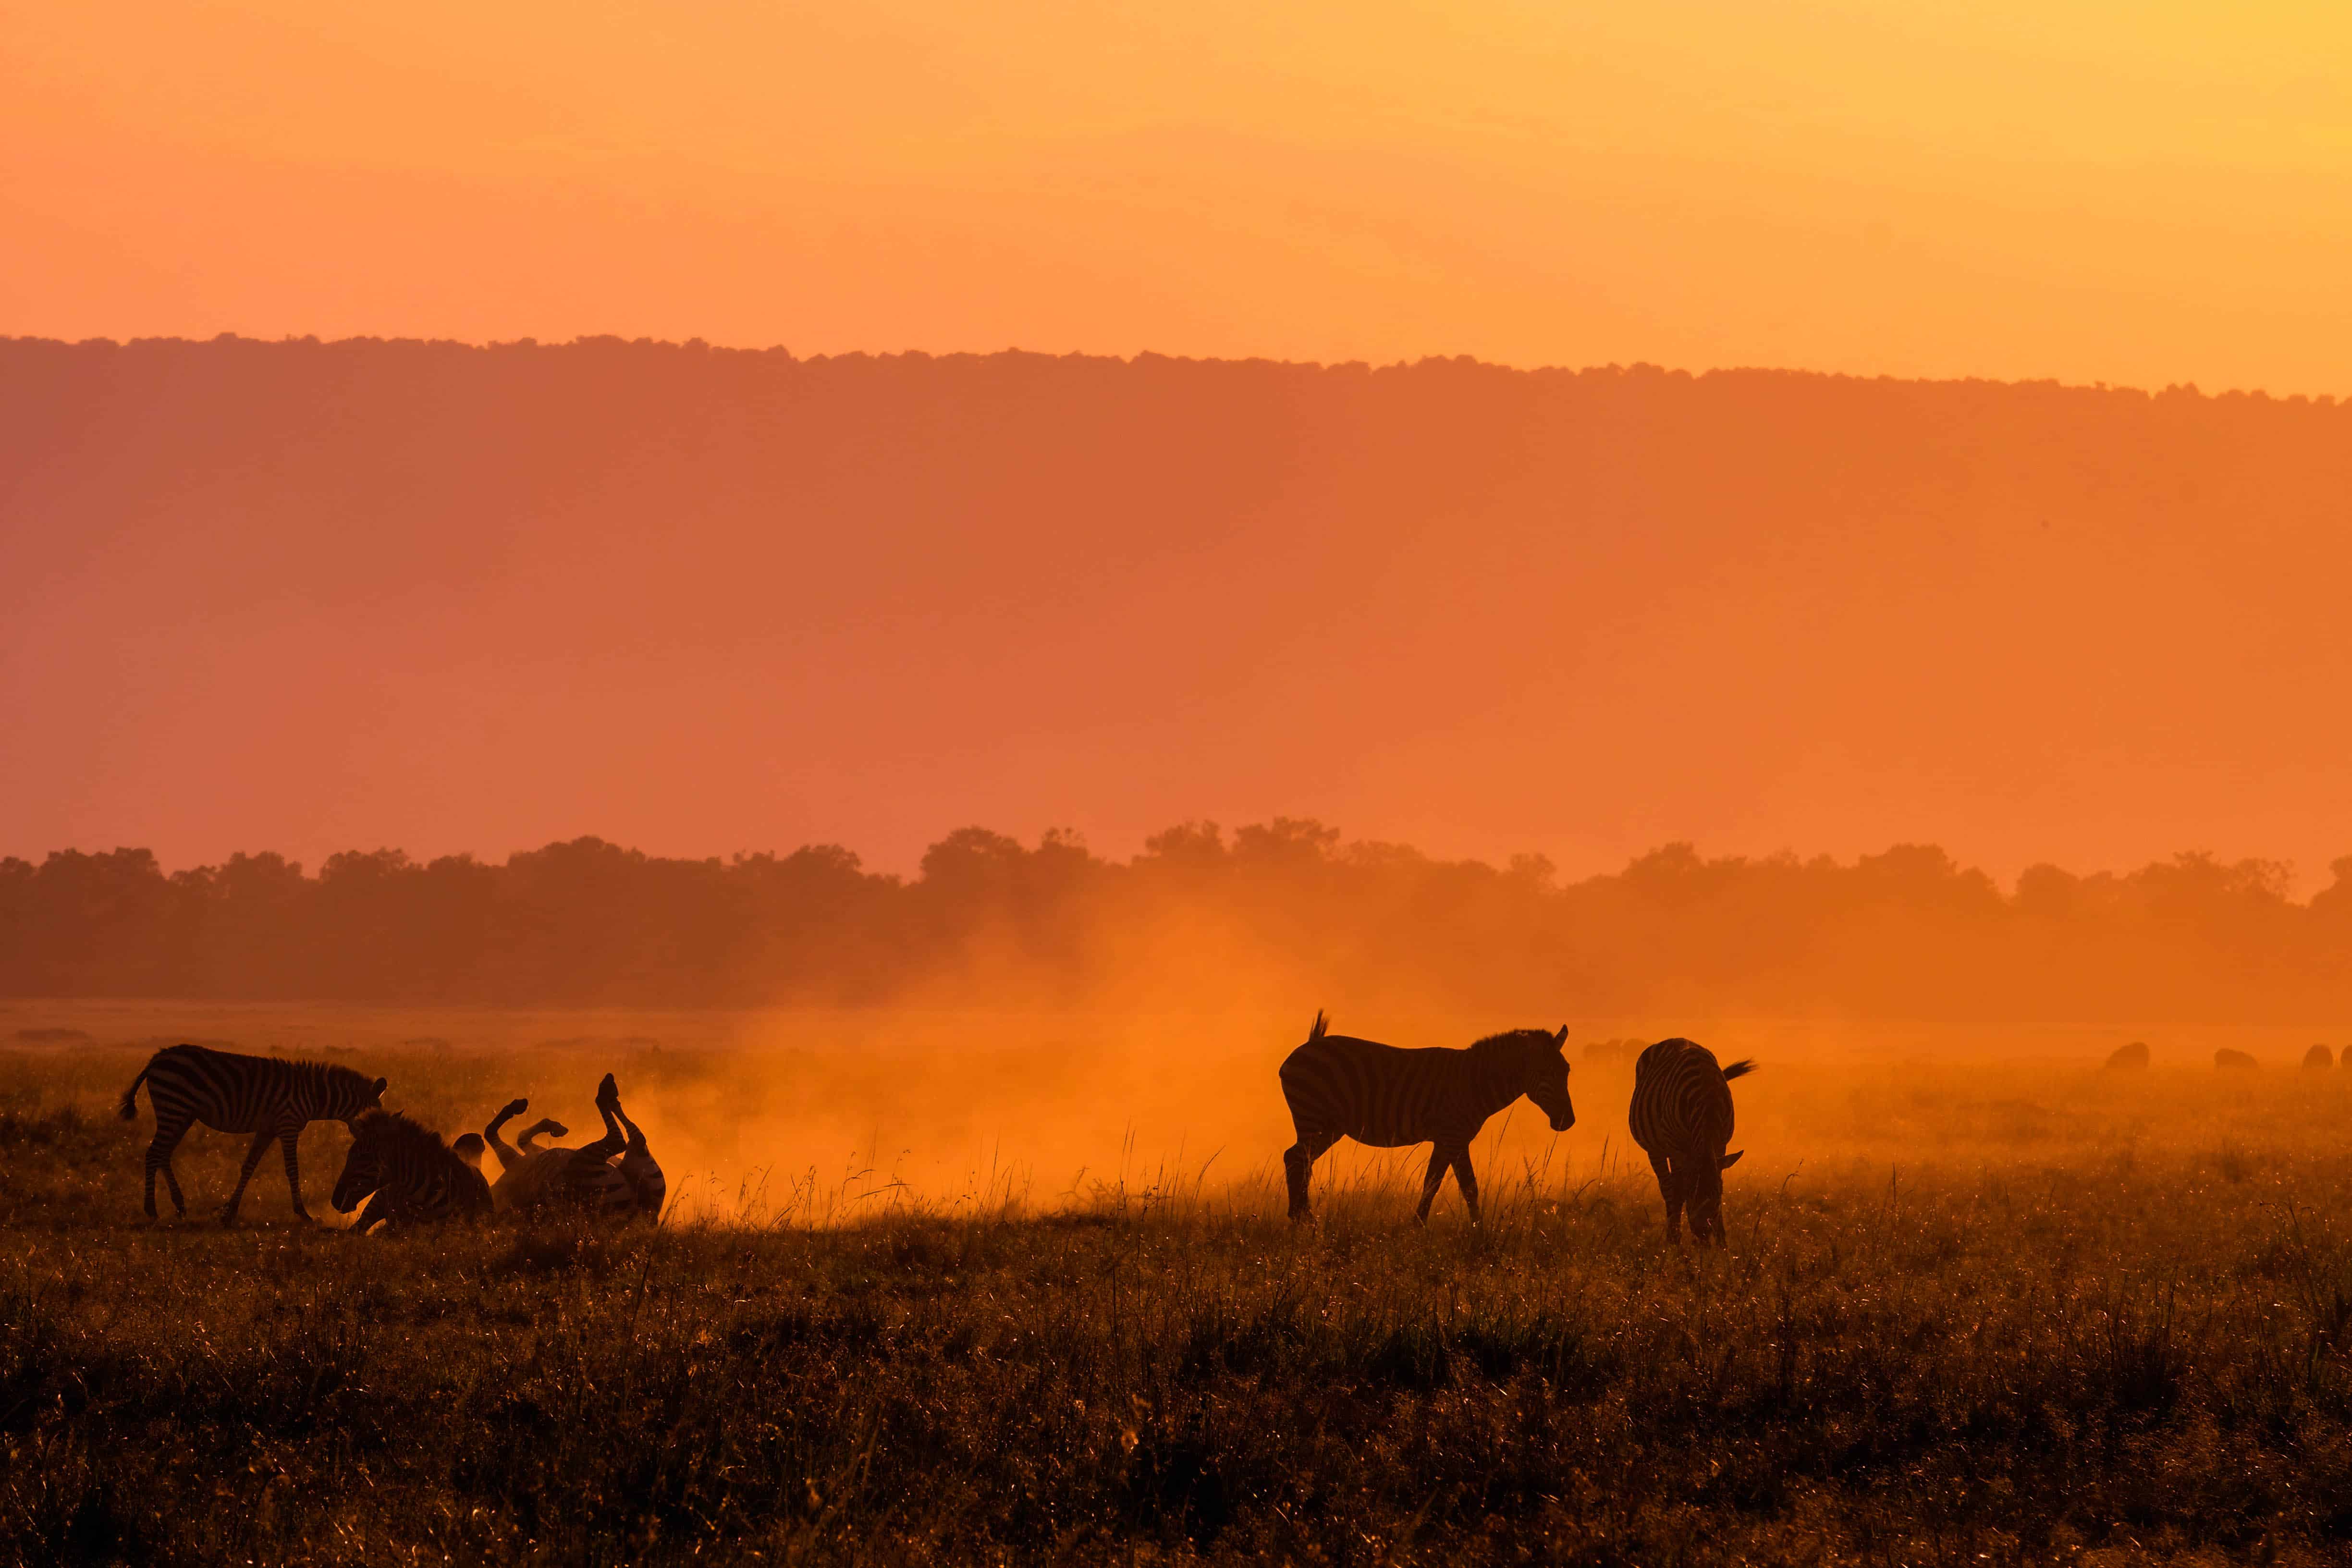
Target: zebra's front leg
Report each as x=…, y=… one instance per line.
x=294, y=1169
x=1440, y=1158
x=261, y=1141
x=1671, y=1190
x=1467, y=1180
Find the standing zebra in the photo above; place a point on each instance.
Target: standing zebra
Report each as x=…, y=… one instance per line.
x=267, y=1097
x=408, y=1176
x=1681, y=1117
x=585, y=1178
x=1339, y=1087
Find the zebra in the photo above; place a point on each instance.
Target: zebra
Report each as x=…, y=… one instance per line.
x=1339, y=1087
x=584, y=1178
x=408, y=1176
x=265, y=1096
x=1681, y=1116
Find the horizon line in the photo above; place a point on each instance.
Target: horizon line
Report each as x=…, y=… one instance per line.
x=1464, y=360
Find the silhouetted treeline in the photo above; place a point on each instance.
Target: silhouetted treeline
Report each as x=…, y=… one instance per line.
x=1199, y=917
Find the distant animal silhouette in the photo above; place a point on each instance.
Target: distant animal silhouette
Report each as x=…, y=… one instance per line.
x=2226, y=1058
x=582, y=1180
x=2320, y=1057
x=270, y=1098
x=1682, y=1118
x=1340, y=1087
x=407, y=1175
x=2129, y=1057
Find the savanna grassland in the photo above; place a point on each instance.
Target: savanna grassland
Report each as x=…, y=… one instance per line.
x=1976, y=1307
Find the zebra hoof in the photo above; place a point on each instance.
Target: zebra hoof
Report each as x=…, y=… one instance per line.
x=608, y=1092
x=227, y=1218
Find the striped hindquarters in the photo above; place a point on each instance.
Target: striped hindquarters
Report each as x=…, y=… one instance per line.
x=647, y=1186
x=1682, y=1101
x=234, y=1093
x=557, y=1181
x=1340, y=1087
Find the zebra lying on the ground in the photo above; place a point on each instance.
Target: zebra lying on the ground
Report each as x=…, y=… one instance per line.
x=582, y=1178
x=272, y=1098
x=408, y=1176
x=1340, y=1087
x=1681, y=1116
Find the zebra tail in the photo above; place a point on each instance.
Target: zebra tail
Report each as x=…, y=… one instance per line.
x=129, y=1109
x=1740, y=1069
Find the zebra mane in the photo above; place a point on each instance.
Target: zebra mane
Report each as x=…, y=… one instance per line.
x=1515, y=1039
x=398, y=1127
x=336, y=1072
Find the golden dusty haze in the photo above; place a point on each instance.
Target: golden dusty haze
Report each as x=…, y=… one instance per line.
x=2089, y=189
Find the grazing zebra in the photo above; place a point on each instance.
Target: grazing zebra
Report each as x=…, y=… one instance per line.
x=408, y=1176
x=1339, y=1087
x=583, y=1179
x=1681, y=1117
x=267, y=1097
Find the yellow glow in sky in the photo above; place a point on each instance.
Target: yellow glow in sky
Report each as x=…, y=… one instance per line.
x=2088, y=189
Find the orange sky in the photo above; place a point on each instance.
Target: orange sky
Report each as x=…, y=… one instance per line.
x=2118, y=190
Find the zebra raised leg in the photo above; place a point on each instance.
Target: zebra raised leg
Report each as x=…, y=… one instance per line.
x=507, y=1157
x=637, y=1165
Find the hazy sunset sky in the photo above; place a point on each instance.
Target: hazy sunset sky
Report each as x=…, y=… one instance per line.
x=2141, y=192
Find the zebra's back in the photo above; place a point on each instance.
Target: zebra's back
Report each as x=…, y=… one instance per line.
x=1382, y=1095
x=1682, y=1104
x=232, y=1092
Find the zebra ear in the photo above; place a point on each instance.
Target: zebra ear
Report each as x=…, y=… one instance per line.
x=1560, y=1039
x=379, y=1085
x=1731, y=1159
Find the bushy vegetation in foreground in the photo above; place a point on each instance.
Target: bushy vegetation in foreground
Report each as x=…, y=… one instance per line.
x=2115, y=1357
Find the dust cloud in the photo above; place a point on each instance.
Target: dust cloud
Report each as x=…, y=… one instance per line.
x=806, y=1117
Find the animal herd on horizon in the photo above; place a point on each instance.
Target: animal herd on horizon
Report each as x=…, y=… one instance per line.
x=1337, y=1086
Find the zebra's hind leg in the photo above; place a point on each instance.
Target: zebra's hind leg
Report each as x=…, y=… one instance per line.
x=261, y=1141
x=608, y=1101
x=159, y=1158
x=1467, y=1180
x=1298, y=1166
x=1440, y=1158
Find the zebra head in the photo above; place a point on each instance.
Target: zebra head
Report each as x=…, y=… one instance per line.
x=364, y=1166
x=1548, y=1077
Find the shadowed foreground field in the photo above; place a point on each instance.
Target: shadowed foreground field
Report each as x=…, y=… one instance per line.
x=2102, y=1319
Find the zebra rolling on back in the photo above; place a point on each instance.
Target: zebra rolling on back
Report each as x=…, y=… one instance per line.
x=584, y=1180
x=1340, y=1087
x=1681, y=1116
x=272, y=1099
x=407, y=1175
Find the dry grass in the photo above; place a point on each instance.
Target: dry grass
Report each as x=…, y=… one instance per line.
x=1970, y=1313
